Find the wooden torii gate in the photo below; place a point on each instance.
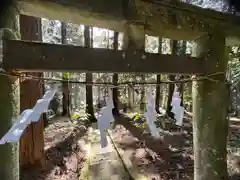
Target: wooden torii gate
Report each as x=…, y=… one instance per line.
x=211, y=31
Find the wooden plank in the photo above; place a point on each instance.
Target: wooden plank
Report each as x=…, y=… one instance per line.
x=192, y=21
x=36, y=56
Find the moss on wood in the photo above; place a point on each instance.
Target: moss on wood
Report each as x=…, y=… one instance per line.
x=210, y=105
x=9, y=103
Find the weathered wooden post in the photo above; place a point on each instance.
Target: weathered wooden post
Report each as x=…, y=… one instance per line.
x=32, y=141
x=9, y=101
x=210, y=104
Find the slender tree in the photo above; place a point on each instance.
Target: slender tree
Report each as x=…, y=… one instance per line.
x=171, y=86
x=89, y=78
x=181, y=85
x=157, y=100
x=115, y=79
x=65, y=84
x=142, y=97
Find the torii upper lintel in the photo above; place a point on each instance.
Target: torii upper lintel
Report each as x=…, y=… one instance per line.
x=179, y=21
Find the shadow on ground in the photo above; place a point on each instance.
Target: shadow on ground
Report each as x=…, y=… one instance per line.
x=169, y=157
x=63, y=157
x=163, y=158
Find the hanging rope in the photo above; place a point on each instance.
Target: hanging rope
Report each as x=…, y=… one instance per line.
x=209, y=77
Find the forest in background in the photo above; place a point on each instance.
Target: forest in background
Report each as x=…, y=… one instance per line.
x=131, y=96
x=76, y=98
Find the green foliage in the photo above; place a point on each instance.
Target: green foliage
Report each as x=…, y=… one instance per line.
x=8, y=33
x=234, y=64
x=66, y=75
x=76, y=115
x=139, y=121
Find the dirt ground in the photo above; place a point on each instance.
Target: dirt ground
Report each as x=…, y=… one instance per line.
x=65, y=154
x=170, y=158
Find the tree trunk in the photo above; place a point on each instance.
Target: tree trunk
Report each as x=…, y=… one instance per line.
x=181, y=91
x=210, y=105
x=157, y=100
x=65, y=84
x=44, y=115
x=188, y=96
x=66, y=97
x=134, y=34
x=89, y=79
x=158, y=90
x=129, y=98
x=135, y=92
x=115, y=92
x=171, y=86
x=165, y=92
x=32, y=142
x=98, y=93
x=75, y=97
x=9, y=104
x=181, y=85
x=170, y=94
x=125, y=104
x=142, y=99
x=133, y=95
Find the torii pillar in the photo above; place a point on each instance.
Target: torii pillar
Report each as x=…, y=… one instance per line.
x=210, y=106
x=9, y=101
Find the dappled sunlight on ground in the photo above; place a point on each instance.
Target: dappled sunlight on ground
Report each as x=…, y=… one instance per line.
x=168, y=157
x=65, y=154
x=234, y=148
x=171, y=156
x=161, y=162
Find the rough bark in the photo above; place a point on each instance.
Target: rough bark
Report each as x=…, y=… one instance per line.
x=65, y=84
x=115, y=92
x=210, y=105
x=32, y=142
x=9, y=105
x=89, y=79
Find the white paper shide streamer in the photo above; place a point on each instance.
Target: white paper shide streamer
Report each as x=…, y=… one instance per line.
x=151, y=116
x=177, y=109
x=104, y=118
x=28, y=116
